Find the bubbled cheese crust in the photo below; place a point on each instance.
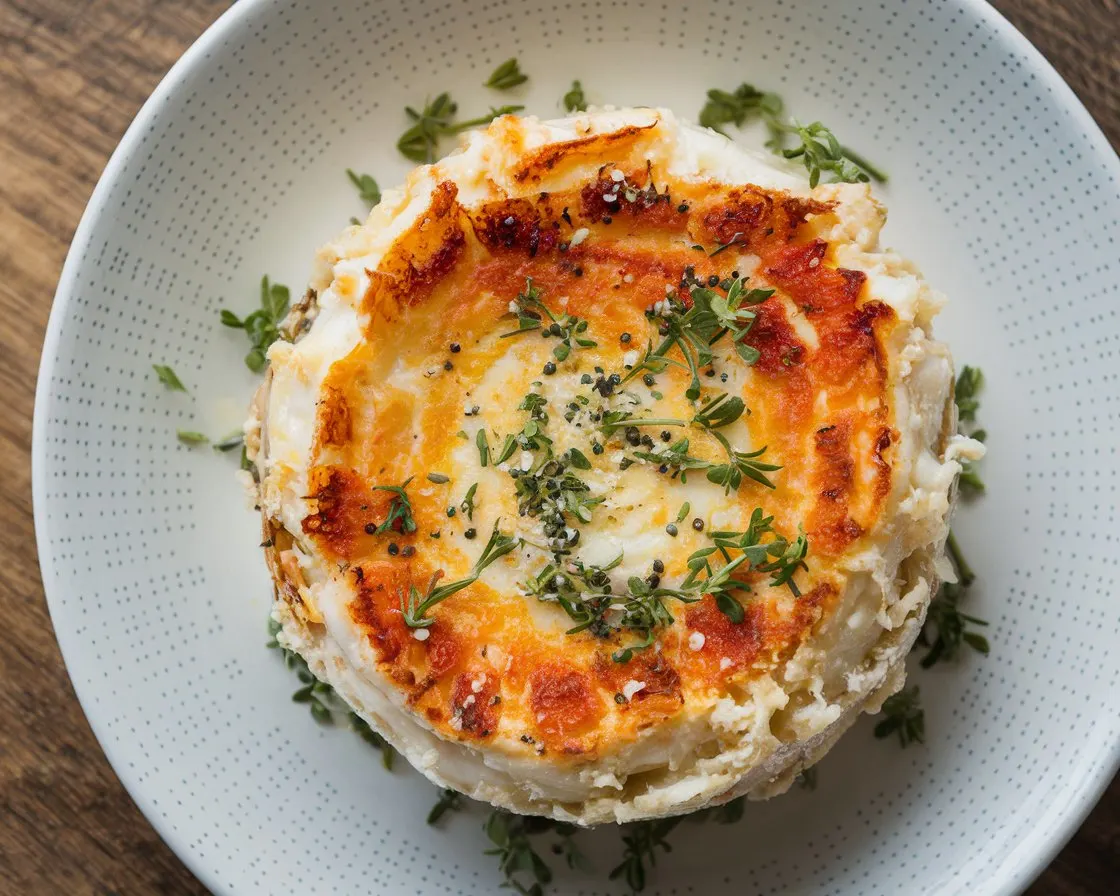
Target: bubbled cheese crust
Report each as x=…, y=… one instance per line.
x=605, y=212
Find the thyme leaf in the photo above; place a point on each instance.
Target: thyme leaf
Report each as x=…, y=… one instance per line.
x=904, y=716
x=506, y=76
x=415, y=608
x=262, y=327
x=400, y=510
x=574, y=100
x=818, y=148
x=169, y=378
x=367, y=187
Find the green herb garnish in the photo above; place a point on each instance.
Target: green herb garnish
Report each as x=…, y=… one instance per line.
x=188, y=437
x=417, y=606
x=168, y=377
x=419, y=142
x=483, y=445
x=449, y=801
x=367, y=187
x=903, y=716
x=969, y=382
x=567, y=328
x=574, y=100
x=818, y=148
x=263, y=325
x=516, y=856
x=641, y=841
x=230, y=442
x=321, y=699
x=467, y=505
x=945, y=618
x=693, y=330
x=506, y=76
x=400, y=510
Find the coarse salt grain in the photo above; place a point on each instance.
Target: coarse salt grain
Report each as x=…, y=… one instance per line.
x=617, y=176
x=579, y=236
x=421, y=634
x=631, y=688
x=696, y=640
x=724, y=664
x=630, y=358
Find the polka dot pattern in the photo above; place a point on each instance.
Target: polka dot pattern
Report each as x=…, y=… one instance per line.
x=1002, y=190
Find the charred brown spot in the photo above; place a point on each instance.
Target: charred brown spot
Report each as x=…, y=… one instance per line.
x=333, y=425
x=831, y=528
x=774, y=338
x=421, y=257
x=375, y=609
x=800, y=270
x=562, y=699
x=472, y=702
x=542, y=161
x=752, y=218
x=513, y=224
x=739, y=643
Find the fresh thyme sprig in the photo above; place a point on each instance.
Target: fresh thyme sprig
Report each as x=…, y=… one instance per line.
x=967, y=396
x=516, y=856
x=567, y=328
x=818, y=148
x=415, y=608
x=693, y=330
x=506, y=76
x=449, y=801
x=263, y=325
x=904, y=716
x=169, y=378
x=368, y=190
x=716, y=413
x=574, y=100
x=322, y=700
x=945, y=618
x=420, y=141
x=400, y=510
x=641, y=842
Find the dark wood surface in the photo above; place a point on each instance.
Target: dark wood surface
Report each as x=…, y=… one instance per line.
x=72, y=75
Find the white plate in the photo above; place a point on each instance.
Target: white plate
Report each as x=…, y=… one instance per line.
x=1003, y=190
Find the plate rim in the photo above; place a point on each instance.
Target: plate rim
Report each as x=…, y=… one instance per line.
x=1072, y=805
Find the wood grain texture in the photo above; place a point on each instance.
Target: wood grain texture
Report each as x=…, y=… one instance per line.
x=73, y=73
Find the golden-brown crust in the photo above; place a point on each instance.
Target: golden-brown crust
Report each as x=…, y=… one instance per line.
x=484, y=666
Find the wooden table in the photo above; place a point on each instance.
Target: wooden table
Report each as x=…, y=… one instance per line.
x=72, y=75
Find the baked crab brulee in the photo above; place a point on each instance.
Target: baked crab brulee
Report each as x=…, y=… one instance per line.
x=607, y=469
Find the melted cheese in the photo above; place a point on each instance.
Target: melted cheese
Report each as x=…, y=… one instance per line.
x=851, y=396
